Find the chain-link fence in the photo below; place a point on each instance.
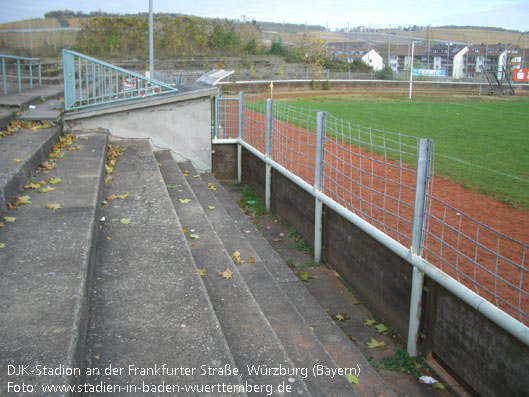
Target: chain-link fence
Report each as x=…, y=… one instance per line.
x=373, y=174
x=488, y=262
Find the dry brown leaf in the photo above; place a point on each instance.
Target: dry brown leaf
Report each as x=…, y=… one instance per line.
x=227, y=274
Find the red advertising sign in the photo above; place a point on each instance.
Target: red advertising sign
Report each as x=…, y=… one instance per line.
x=520, y=75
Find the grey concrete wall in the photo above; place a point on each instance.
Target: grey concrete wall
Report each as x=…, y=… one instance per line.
x=182, y=125
x=224, y=161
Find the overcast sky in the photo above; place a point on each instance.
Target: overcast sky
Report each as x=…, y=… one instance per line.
x=513, y=14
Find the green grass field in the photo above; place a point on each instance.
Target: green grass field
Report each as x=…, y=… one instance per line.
x=480, y=142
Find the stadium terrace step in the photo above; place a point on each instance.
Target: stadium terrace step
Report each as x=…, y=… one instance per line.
x=149, y=304
x=47, y=111
x=250, y=337
x=20, y=155
x=5, y=118
x=307, y=334
x=344, y=353
x=282, y=296
x=28, y=96
x=46, y=261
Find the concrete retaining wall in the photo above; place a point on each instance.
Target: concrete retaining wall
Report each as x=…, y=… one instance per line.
x=181, y=123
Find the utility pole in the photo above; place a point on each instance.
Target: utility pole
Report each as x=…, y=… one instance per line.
x=151, y=42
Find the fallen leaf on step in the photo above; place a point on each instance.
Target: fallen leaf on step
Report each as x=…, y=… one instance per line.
x=2, y=246
x=236, y=258
x=56, y=155
x=352, y=379
x=351, y=337
x=305, y=276
x=342, y=318
x=55, y=181
x=184, y=201
x=111, y=197
x=370, y=322
x=184, y=230
x=202, y=272
x=227, y=274
x=109, y=170
x=439, y=386
x=122, y=196
x=381, y=328
x=10, y=219
x=212, y=187
x=251, y=260
x=48, y=165
x=126, y=221
x=196, y=176
x=160, y=164
x=211, y=207
x=276, y=240
x=46, y=189
x=171, y=186
x=53, y=206
x=22, y=200
x=34, y=185
x=18, y=160
x=108, y=180
x=373, y=344
x=194, y=236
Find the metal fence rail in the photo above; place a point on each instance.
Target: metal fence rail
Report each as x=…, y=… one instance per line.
x=23, y=64
x=90, y=82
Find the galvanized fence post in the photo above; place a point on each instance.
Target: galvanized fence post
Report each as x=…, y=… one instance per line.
x=4, y=79
x=419, y=217
x=240, y=134
x=18, y=76
x=268, y=152
x=217, y=114
x=318, y=179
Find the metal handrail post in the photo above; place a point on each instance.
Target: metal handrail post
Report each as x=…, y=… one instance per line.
x=318, y=179
x=419, y=218
x=40, y=73
x=240, y=134
x=18, y=76
x=4, y=79
x=30, y=75
x=268, y=153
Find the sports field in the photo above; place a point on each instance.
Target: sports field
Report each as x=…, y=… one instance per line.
x=479, y=142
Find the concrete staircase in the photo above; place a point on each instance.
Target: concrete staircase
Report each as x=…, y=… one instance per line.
x=142, y=293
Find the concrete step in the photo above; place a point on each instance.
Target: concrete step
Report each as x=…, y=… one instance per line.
x=48, y=111
x=251, y=339
x=18, y=100
x=46, y=261
x=282, y=296
x=20, y=154
x=6, y=116
x=149, y=304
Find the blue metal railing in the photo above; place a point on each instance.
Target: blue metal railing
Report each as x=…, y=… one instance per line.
x=18, y=61
x=90, y=82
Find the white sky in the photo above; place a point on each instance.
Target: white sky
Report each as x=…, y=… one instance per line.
x=512, y=14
